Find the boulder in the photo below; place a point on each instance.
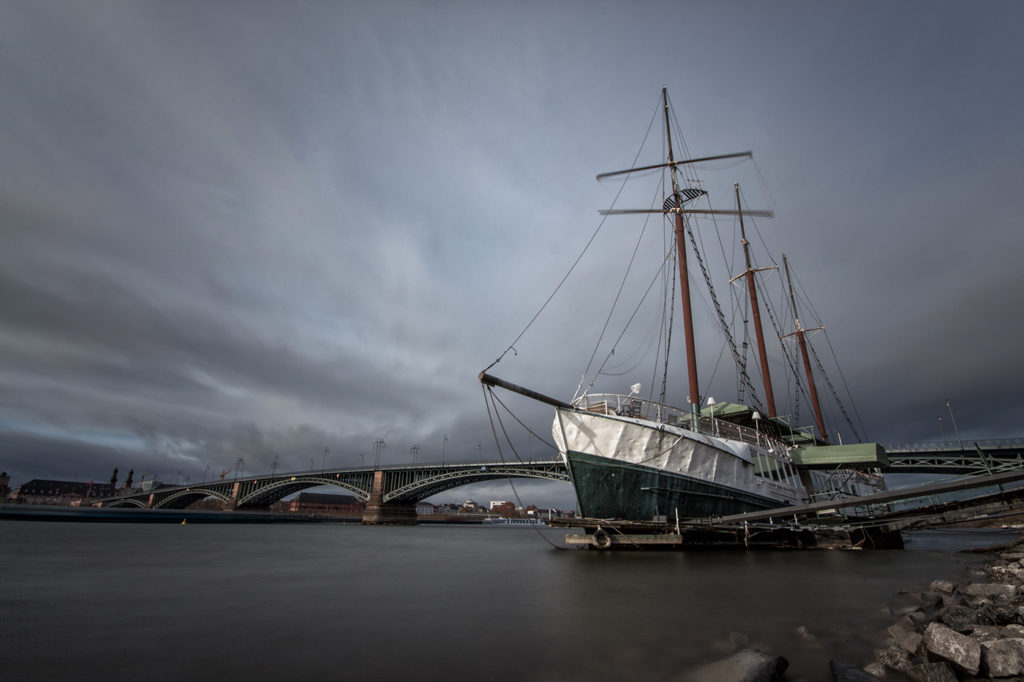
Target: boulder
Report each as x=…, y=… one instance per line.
x=843, y=671
x=748, y=665
x=894, y=658
x=927, y=600
x=1003, y=657
x=949, y=645
x=916, y=620
x=1014, y=630
x=990, y=590
x=988, y=633
x=965, y=618
x=876, y=669
x=905, y=638
x=932, y=672
x=961, y=618
x=1009, y=615
x=942, y=586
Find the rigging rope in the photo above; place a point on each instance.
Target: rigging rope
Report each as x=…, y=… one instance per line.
x=721, y=318
x=497, y=442
x=835, y=396
x=586, y=247
x=671, y=282
x=615, y=302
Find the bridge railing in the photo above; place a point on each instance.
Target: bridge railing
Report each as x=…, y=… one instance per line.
x=954, y=445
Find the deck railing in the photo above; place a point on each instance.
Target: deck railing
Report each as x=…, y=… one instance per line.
x=632, y=406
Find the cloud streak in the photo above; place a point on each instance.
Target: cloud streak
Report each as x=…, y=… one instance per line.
x=255, y=233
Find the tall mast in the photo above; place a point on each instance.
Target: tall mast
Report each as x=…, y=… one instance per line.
x=755, y=308
x=803, y=352
x=684, y=279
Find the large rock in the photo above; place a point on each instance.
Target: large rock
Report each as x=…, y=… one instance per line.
x=894, y=658
x=990, y=590
x=916, y=620
x=964, y=618
x=942, y=586
x=932, y=672
x=905, y=637
x=876, y=669
x=1009, y=615
x=748, y=665
x=843, y=671
x=1003, y=657
x=949, y=645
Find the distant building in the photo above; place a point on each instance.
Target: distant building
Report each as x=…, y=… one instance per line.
x=503, y=508
x=68, y=493
x=325, y=504
x=471, y=507
x=424, y=508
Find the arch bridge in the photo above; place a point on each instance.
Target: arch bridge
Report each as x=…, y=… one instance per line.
x=389, y=493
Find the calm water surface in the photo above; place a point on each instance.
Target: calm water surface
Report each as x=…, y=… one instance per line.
x=84, y=601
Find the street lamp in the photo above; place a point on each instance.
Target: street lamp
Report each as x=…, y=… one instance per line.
x=711, y=405
x=955, y=429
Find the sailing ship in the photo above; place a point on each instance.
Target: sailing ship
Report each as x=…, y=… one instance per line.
x=640, y=459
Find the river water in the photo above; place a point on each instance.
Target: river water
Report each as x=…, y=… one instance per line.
x=101, y=601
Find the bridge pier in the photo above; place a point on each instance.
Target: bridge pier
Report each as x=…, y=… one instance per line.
x=379, y=513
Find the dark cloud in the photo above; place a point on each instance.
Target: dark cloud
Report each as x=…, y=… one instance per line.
x=259, y=234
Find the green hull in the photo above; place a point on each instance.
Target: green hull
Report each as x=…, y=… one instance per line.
x=608, y=488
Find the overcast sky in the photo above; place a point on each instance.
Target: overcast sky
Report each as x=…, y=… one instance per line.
x=244, y=229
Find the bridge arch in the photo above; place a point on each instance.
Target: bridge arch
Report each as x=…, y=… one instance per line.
x=128, y=502
x=424, y=487
x=268, y=494
x=183, y=498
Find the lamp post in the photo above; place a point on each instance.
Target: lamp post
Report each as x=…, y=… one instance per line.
x=711, y=405
x=757, y=420
x=323, y=465
x=955, y=429
x=444, y=447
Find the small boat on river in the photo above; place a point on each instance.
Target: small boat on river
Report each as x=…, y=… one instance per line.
x=639, y=458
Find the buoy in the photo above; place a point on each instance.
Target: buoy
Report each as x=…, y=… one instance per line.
x=183, y=522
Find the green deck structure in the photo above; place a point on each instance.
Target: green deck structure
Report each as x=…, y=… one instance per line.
x=856, y=455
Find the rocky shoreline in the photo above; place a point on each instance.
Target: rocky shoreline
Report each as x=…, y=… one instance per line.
x=953, y=632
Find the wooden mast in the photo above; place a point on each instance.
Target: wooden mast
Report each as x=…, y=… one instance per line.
x=684, y=279
x=755, y=308
x=819, y=421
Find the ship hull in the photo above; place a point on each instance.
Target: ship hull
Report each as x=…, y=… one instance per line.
x=633, y=469
x=606, y=488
